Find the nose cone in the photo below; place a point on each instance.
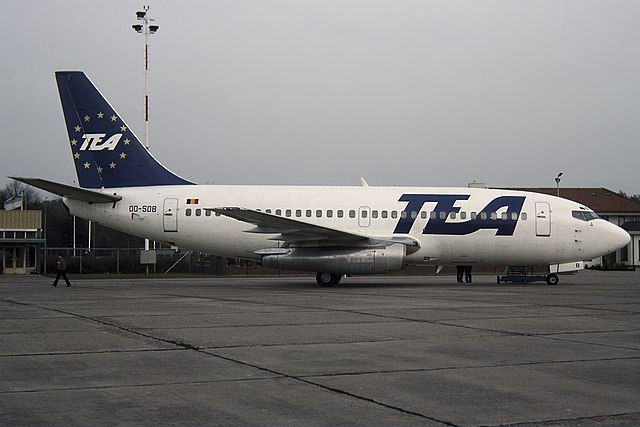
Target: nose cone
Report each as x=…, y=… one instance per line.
x=618, y=238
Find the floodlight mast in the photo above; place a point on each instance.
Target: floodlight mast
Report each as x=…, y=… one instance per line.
x=145, y=27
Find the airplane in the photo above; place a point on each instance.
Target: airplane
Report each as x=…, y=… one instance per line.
x=333, y=231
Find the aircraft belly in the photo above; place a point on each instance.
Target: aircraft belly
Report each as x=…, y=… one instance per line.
x=246, y=244
x=464, y=253
x=497, y=250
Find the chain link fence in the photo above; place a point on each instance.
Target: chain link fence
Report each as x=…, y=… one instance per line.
x=168, y=261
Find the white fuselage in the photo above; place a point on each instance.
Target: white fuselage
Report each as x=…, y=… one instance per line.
x=452, y=225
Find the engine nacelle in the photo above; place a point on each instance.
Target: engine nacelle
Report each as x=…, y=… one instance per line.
x=343, y=261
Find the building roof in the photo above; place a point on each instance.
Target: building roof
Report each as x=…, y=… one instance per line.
x=601, y=200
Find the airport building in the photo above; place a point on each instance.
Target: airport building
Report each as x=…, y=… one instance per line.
x=613, y=207
x=21, y=240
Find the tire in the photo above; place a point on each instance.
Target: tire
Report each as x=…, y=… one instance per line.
x=327, y=280
x=552, y=279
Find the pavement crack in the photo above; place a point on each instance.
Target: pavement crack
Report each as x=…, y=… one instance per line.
x=119, y=386
x=307, y=381
x=595, y=420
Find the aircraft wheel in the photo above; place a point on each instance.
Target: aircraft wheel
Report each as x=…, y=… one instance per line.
x=328, y=279
x=552, y=279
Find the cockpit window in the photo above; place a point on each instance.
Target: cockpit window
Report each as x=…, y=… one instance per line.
x=585, y=215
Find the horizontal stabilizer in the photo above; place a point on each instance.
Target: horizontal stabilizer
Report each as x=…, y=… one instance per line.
x=69, y=191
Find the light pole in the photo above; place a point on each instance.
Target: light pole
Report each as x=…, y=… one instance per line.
x=145, y=28
x=558, y=182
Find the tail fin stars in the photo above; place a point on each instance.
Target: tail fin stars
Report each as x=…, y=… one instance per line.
x=105, y=152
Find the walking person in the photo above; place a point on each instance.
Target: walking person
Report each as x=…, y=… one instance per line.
x=62, y=271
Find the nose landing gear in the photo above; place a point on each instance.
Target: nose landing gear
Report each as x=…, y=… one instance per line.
x=552, y=279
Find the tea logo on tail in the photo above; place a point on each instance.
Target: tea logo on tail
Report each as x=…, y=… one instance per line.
x=93, y=142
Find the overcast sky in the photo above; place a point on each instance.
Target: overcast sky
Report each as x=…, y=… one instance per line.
x=322, y=92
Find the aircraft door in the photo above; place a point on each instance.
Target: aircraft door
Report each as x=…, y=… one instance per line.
x=543, y=219
x=170, y=215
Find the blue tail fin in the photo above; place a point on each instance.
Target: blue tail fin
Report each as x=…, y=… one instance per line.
x=105, y=151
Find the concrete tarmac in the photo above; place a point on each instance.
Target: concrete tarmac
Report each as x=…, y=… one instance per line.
x=283, y=351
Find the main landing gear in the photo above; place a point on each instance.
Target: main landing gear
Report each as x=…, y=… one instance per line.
x=328, y=279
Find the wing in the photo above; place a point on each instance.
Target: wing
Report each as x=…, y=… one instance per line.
x=298, y=232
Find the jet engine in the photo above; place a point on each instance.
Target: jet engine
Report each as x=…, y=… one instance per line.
x=337, y=260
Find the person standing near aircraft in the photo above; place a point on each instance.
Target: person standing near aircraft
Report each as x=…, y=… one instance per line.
x=463, y=270
x=62, y=271
x=467, y=273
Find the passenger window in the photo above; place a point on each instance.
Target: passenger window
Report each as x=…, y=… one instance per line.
x=198, y=212
x=463, y=215
x=403, y=214
x=483, y=216
x=414, y=214
x=340, y=213
x=433, y=215
x=268, y=211
x=423, y=214
x=443, y=215
x=474, y=215
x=288, y=213
x=374, y=214
x=452, y=215
x=385, y=214
x=494, y=216
x=524, y=216
x=319, y=213
x=352, y=214
x=364, y=213
x=279, y=212
x=308, y=213
x=329, y=213
x=514, y=216
x=504, y=216
x=207, y=212
x=394, y=214
x=298, y=213
x=187, y=212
